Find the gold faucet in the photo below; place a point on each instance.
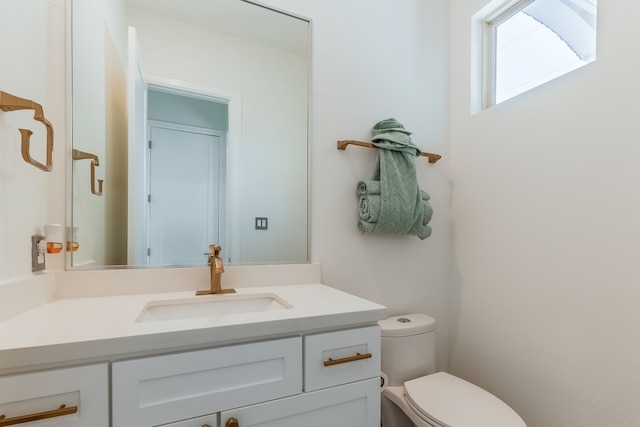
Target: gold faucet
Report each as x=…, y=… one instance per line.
x=216, y=268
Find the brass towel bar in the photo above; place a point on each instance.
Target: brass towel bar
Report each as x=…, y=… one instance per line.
x=343, y=145
x=62, y=410
x=10, y=102
x=81, y=155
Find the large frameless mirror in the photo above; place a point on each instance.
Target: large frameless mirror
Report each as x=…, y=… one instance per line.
x=189, y=128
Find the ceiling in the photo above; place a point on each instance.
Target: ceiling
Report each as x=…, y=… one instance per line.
x=236, y=18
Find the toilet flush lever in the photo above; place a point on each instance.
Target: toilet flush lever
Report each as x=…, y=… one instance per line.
x=358, y=356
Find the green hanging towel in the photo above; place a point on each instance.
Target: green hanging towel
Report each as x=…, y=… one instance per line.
x=392, y=202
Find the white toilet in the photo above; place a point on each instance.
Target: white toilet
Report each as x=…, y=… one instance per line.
x=416, y=396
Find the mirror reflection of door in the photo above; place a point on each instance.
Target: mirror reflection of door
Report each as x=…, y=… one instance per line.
x=177, y=171
x=186, y=180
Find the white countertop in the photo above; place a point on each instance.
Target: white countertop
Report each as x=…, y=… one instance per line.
x=76, y=330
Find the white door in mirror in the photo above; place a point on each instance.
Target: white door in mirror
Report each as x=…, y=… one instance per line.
x=184, y=200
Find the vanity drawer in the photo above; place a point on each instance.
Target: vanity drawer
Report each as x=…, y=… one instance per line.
x=72, y=397
x=335, y=358
x=163, y=389
x=206, y=421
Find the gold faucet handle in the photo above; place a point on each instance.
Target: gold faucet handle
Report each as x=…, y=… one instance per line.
x=214, y=252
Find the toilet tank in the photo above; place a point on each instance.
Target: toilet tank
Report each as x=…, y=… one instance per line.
x=408, y=347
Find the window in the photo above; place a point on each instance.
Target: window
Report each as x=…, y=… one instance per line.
x=534, y=41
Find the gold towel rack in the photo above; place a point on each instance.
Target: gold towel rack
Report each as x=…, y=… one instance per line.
x=81, y=155
x=10, y=102
x=343, y=145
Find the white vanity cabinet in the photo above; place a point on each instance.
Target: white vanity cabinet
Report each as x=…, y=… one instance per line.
x=158, y=390
x=67, y=397
x=313, y=362
x=330, y=378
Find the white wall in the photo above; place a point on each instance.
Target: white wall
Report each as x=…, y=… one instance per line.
x=545, y=233
x=30, y=69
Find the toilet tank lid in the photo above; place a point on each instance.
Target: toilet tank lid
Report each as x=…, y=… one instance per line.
x=406, y=325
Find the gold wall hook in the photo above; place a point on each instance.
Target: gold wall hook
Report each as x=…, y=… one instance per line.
x=10, y=102
x=81, y=155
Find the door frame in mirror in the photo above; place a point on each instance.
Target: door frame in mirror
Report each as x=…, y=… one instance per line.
x=234, y=140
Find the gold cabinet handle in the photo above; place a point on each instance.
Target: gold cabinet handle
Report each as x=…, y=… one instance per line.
x=62, y=410
x=232, y=422
x=358, y=356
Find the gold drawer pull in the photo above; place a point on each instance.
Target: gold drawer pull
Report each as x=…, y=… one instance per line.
x=62, y=410
x=232, y=422
x=358, y=356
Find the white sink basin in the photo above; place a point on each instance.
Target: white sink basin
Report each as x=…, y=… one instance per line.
x=210, y=305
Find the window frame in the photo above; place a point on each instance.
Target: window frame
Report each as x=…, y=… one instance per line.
x=489, y=48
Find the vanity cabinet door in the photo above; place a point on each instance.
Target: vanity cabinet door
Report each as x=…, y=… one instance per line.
x=163, y=389
x=354, y=405
x=69, y=397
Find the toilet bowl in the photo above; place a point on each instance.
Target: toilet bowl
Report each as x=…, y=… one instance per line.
x=417, y=396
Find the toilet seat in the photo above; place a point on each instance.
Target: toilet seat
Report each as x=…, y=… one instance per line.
x=444, y=400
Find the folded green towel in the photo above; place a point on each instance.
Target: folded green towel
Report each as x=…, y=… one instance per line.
x=368, y=187
x=370, y=213
x=369, y=207
x=392, y=202
x=371, y=187
x=422, y=231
